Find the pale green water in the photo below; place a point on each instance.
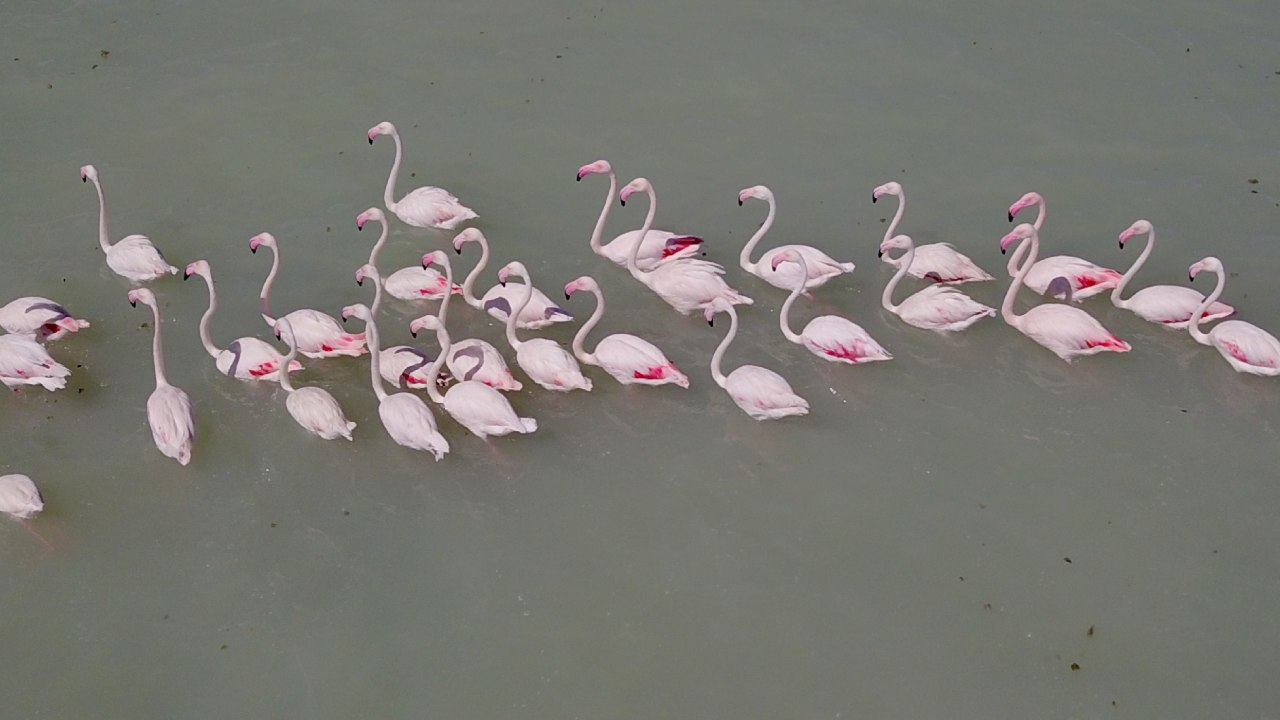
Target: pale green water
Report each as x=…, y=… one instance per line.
x=648, y=553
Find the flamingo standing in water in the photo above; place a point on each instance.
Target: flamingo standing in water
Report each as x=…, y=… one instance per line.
x=543, y=360
x=830, y=337
x=19, y=497
x=1087, y=279
x=820, y=266
x=173, y=426
x=134, y=257
x=499, y=299
x=939, y=262
x=23, y=361
x=1068, y=332
x=247, y=358
x=1169, y=305
x=408, y=283
x=312, y=407
x=405, y=416
x=476, y=406
x=39, y=317
x=317, y=334
x=629, y=359
x=686, y=284
x=1247, y=347
x=658, y=245
x=398, y=363
x=760, y=392
x=941, y=308
x=423, y=207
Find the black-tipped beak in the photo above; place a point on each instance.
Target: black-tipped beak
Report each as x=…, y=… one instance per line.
x=186, y=276
x=1191, y=278
x=133, y=303
x=1001, y=251
x=503, y=283
x=254, y=250
x=360, y=282
x=277, y=334
x=712, y=322
x=458, y=250
x=413, y=333
x=873, y=198
x=739, y=202
x=1010, y=217
x=359, y=227
x=344, y=319
x=879, y=253
x=84, y=178
x=566, y=296
x=622, y=202
x=579, y=177
x=370, y=141
x=1121, y=243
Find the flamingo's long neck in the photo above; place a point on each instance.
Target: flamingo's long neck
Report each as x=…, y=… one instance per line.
x=205, y=339
x=580, y=338
x=604, y=213
x=468, y=285
x=377, y=246
x=157, y=354
x=264, y=296
x=444, y=303
x=724, y=344
x=897, y=216
x=1012, y=266
x=103, y=240
x=632, y=259
x=784, y=315
x=388, y=195
x=1133, y=270
x=1006, y=308
x=1194, y=326
x=433, y=370
x=288, y=360
x=744, y=257
x=375, y=361
x=904, y=264
x=377, y=293
x=515, y=313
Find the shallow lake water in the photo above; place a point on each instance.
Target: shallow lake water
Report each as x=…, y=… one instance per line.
x=975, y=529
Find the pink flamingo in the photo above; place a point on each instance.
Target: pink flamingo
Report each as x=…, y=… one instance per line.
x=1169, y=305
x=658, y=245
x=940, y=308
x=940, y=262
x=405, y=416
x=499, y=299
x=1087, y=279
x=408, y=283
x=312, y=407
x=830, y=337
x=1067, y=331
x=476, y=406
x=173, y=426
x=489, y=366
x=543, y=360
x=317, y=334
x=248, y=358
x=1247, y=347
x=820, y=266
x=398, y=363
x=133, y=257
x=39, y=316
x=23, y=361
x=760, y=392
x=686, y=284
x=19, y=497
x=629, y=359
x=423, y=207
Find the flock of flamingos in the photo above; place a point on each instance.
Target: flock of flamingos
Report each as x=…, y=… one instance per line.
x=666, y=262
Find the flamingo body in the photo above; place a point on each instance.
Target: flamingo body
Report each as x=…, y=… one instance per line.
x=23, y=361
x=252, y=359
x=940, y=308
x=484, y=411
x=410, y=423
x=837, y=339
x=172, y=423
x=427, y=206
x=1087, y=279
x=656, y=246
x=416, y=283
x=550, y=365
x=538, y=313
x=1172, y=306
x=759, y=392
x=39, y=316
x=318, y=412
x=404, y=366
x=136, y=259
x=633, y=360
x=19, y=497
x=943, y=263
x=490, y=369
x=1245, y=346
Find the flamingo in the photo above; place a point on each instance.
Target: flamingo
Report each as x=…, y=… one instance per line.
x=312, y=407
x=821, y=267
x=408, y=283
x=939, y=262
x=398, y=362
x=490, y=368
x=760, y=392
x=405, y=416
x=1247, y=347
x=317, y=334
x=1087, y=279
x=629, y=359
x=173, y=426
x=248, y=358
x=19, y=497
x=476, y=406
x=133, y=257
x=23, y=361
x=1067, y=331
x=499, y=299
x=1169, y=305
x=830, y=337
x=423, y=207
x=39, y=316
x=686, y=284
x=658, y=245
x=543, y=360
x=941, y=308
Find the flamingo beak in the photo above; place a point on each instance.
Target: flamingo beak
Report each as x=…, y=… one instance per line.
x=360, y=281
x=133, y=303
x=711, y=321
x=1001, y=249
x=874, y=198
x=186, y=276
x=739, y=202
x=413, y=332
x=879, y=253
x=1010, y=216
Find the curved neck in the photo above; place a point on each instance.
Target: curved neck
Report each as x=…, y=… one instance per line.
x=744, y=257
x=1012, y=266
x=515, y=313
x=1133, y=270
x=1203, y=337
x=266, y=286
x=205, y=339
x=444, y=303
x=388, y=195
x=377, y=246
x=604, y=213
x=468, y=285
x=284, y=365
x=157, y=355
x=375, y=361
x=102, y=217
x=377, y=295
x=433, y=370
x=719, y=353
x=897, y=216
x=784, y=315
x=580, y=338
x=1032, y=245
x=904, y=264
x=632, y=266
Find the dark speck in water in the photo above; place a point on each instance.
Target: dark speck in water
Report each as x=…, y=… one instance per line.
x=1067, y=559
x=1074, y=666
x=1253, y=181
x=104, y=53
x=346, y=512
x=1089, y=632
x=95, y=67
x=224, y=647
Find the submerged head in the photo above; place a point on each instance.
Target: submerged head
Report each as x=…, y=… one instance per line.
x=88, y=172
x=586, y=282
x=366, y=271
x=889, y=188
x=897, y=242
x=784, y=256
x=759, y=192
x=1140, y=227
x=262, y=239
x=142, y=295
x=1212, y=264
x=382, y=128
x=638, y=185
x=1018, y=234
x=1031, y=198
x=372, y=213
x=436, y=257
x=201, y=268
x=466, y=236
x=360, y=311
x=426, y=322
x=512, y=268
x=597, y=167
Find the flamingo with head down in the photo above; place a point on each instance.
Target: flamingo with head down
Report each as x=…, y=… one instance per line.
x=317, y=334
x=760, y=392
x=247, y=358
x=424, y=207
x=1087, y=279
x=819, y=266
x=23, y=361
x=543, y=360
x=500, y=299
x=173, y=425
x=629, y=359
x=830, y=337
x=1169, y=305
x=133, y=257
x=39, y=317
x=939, y=262
x=408, y=283
x=658, y=245
x=1245, y=346
x=940, y=308
x=317, y=411
x=399, y=363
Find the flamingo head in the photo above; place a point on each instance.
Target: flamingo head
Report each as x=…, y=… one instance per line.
x=784, y=256
x=382, y=128
x=261, y=239
x=428, y=322
x=141, y=295
x=358, y=311
x=1018, y=234
x=889, y=188
x=437, y=257
x=201, y=268
x=635, y=186
x=759, y=192
x=1026, y=201
x=466, y=236
x=1140, y=227
x=366, y=271
x=371, y=214
x=1212, y=264
x=284, y=331
x=717, y=305
x=586, y=282
x=88, y=172
x=511, y=268
x=599, y=166
x=897, y=242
